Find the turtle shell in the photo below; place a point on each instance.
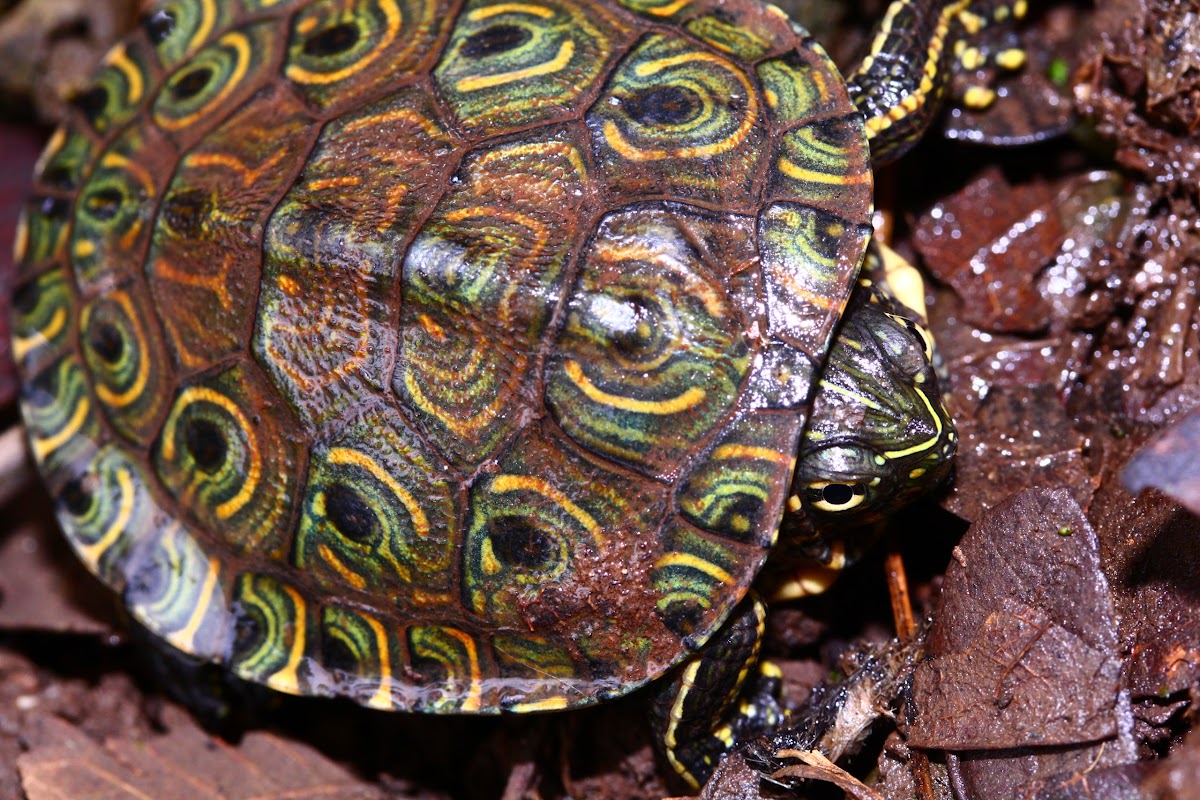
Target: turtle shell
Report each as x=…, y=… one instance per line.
x=448, y=356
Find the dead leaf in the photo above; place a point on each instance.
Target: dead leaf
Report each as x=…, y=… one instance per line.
x=1023, y=648
x=184, y=762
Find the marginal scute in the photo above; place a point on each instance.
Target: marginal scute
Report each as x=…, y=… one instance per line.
x=698, y=578
x=340, y=54
x=114, y=216
x=66, y=160
x=105, y=509
x=274, y=632
x=127, y=75
x=41, y=319
x=205, y=257
x=806, y=255
x=515, y=65
x=364, y=657
x=450, y=662
x=230, y=464
x=325, y=329
x=60, y=418
x=123, y=351
x=651, y=355
x=737, y=488
x=798, y=87
x=178, y=590
x=380, y=514
x=178, y=28
x=824, y=163
x=679, y=119
x=480, y=284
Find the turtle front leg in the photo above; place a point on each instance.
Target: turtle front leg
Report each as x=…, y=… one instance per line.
x=719, y=697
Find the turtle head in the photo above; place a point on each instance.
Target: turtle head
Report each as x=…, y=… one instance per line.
x=879, y=435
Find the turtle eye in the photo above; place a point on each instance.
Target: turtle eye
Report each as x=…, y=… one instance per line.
x=835, y=497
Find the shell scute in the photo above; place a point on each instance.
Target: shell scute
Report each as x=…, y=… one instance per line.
x=325, y=327
x=229, y=455
x=381, y=514
x=178, y=589
x=42, y=311
x=105, y=509
x=214, y=81
x=124, y=355
x=480, y=285
x=115, y=212
x=61, y=419
x=205, y=257
x=804, y=253
x=178, y=28
x=737, y=488
x=341, y=53
x=681, y=120
x=652, y=355
x=516, y=65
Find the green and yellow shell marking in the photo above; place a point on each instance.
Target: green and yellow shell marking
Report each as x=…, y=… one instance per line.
x=126, y=362
x=343, y=53
x=651, y=355
x=516, y=65
x=380, y=512
x=476, y=280
x=448, y=355
x=41, y=319
x=232, y=467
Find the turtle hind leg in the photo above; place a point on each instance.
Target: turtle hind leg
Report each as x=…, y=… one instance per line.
x=719, y=697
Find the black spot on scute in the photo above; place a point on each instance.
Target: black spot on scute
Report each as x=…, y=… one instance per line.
x=107, y=342
x=349, y=513
x=518, y=542
x=25, y=299
x=681, y=618
x=332, y=41
x=337, y=656
x=494, y=40
x=91, y=103
x=186, y=211
x=248, y=628
x=205, y=442
x=191, y=83
x=663, y=105
x=77, y=496
x=59, y=177
x=104, y=204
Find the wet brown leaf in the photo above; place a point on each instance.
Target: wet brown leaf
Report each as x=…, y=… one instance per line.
x=1018, y=437
x=182, y=763
x=988, y=242
x=1023, y=644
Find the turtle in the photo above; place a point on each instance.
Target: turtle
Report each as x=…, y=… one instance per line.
x=471, y=356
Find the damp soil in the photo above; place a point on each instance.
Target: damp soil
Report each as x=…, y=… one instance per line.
x=1055, y=581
